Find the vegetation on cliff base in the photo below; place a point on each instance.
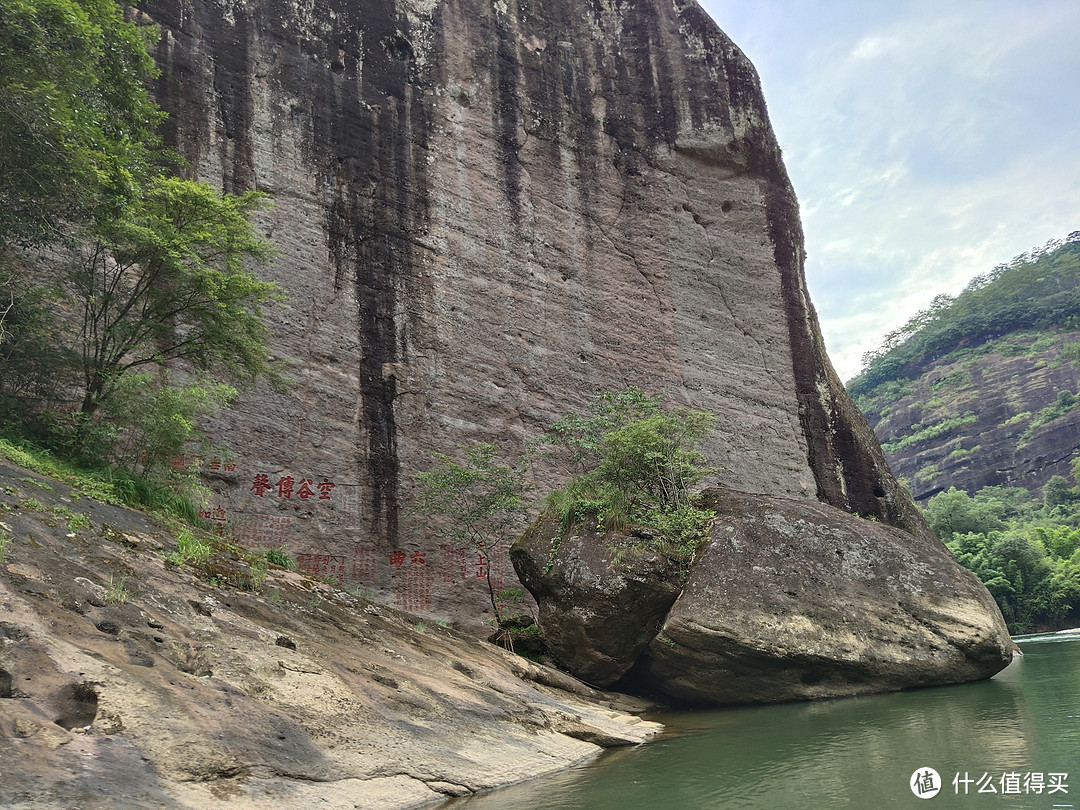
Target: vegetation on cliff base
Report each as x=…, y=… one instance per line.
x=629, y=461
x=1026, y=551
x=633, y=462
x=109, y=268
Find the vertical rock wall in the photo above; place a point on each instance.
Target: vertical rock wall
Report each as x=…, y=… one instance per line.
x=486, y=212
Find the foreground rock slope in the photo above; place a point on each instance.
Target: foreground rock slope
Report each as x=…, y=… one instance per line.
x=286, y=693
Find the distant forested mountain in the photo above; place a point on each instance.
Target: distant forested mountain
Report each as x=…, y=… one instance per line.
x=981, y=389
x=975, y=401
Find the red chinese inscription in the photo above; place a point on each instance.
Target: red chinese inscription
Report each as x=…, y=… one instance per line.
x=260, y=485
x=323, y=565
x=363, y=564
x=412, y=583
x=261, y=530
x=285, y=487
x=452, y=567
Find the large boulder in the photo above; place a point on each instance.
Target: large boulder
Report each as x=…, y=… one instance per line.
x=792, y=600
x=601, y=597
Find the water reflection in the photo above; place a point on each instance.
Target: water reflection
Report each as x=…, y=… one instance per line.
x=854, y=752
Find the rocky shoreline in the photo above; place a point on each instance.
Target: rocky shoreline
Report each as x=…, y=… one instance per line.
x=285, y=693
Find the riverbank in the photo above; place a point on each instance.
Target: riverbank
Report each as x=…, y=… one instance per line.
x=846, y=752
x=129, y=681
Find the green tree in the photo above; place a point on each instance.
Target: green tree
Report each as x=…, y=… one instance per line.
x=476, y=504
x=637, y=463
x=1057, y=491
x=76, y=123
x=1032, y=571
x=160, y=418
x=956, y=512
x=143, y=271
x=166, y=281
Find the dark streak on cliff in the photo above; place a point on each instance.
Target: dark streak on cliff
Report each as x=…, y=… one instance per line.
x=232, y=77
x=505, y=74
x=367, y=142
x=181, y=88
x=371, y=161
x=848, y=467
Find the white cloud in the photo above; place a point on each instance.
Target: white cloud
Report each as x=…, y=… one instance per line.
x=927, y=142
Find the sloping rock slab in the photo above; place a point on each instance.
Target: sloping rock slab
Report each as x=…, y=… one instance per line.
x=297, y=695
x=793, y=600
x=601, y=597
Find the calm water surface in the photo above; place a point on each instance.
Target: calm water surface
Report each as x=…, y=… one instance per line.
x=855, y=752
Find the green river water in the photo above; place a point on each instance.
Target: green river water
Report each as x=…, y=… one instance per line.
x=1010, y=733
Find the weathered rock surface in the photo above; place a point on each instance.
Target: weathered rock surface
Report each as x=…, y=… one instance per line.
x=786, y=600
x=486, y=213
x=993, y=399
x=292, y=695
x=601, y=597
x=792, y=601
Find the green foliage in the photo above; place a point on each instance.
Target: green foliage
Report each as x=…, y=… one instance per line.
x=142, y=270
x=637, y=463
x=952, y=381
x=1057, y=491
x=1024, y=551
x=962, y=452
x=478, y=503
x=258, y=573
x=159, y=418
x=281, y=558
x=927, y=472
x=76, y=122
x=77, y=523
x=1066, y=401
x=1038, y=290
x=1020, y=417
x=4, y=538
x=926, y=433
x=955, y=512
x=161, y=281
x=882, y=395
x=189, y=549
x=1071, y=353
x=115, y=592
x=165, y=280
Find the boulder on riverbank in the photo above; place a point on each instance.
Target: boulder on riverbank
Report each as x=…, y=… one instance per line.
x=601, y=598
x=794, y=599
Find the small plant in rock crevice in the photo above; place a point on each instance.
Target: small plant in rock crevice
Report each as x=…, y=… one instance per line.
x=115, y=592
x=189, y=549
x=258, y=573
x=281, y=558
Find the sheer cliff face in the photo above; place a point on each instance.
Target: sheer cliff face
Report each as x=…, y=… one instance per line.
x=487, y=212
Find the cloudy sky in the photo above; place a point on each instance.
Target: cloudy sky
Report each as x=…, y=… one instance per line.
x=928, y=141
